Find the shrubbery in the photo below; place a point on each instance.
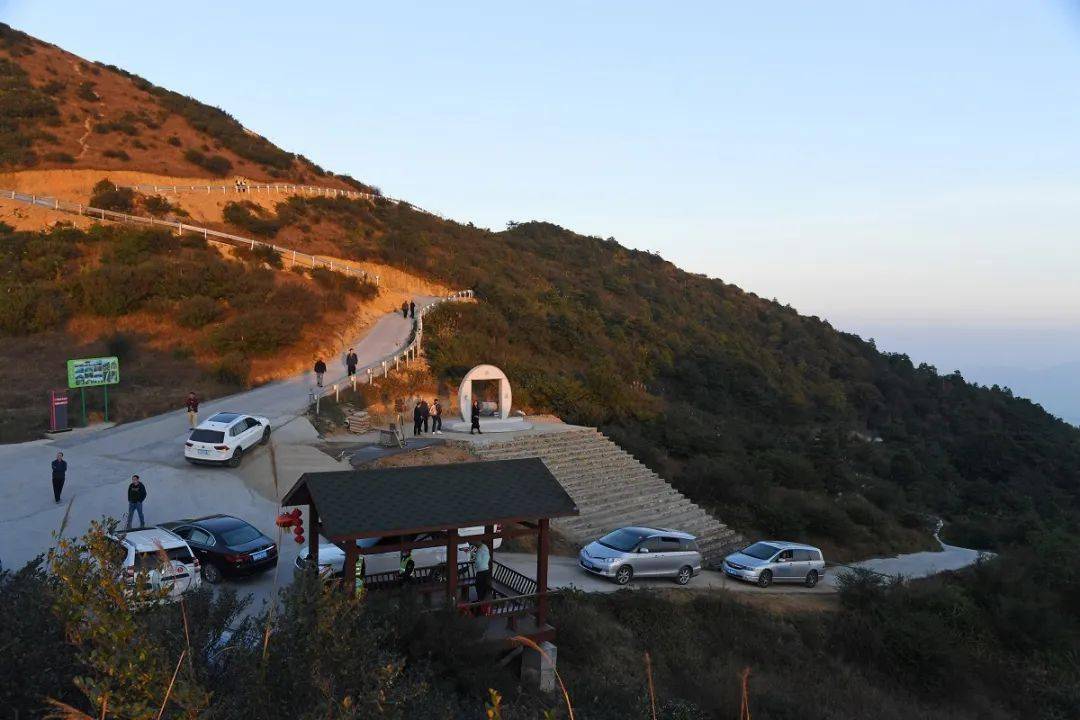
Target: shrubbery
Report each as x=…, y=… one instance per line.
x=107, y=196
x=251, y=217
x=215, y=164
x=198, y=311
x=23, y=108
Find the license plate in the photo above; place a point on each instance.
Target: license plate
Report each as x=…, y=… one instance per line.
x=204, y=451
x=259, y=555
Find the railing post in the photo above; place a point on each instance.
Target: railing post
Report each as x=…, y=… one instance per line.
x=337, y=393
x=370, y=380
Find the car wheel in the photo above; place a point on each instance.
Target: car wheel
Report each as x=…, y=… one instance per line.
x=811, y=578
x=685, y=573
x=623, y=575
x=234, y=461
x=765, y=578
x=211, y=574
x=265, y=436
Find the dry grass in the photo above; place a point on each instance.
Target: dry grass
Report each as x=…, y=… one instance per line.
x=433, y=455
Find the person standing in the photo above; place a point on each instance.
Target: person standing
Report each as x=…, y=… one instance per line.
x=406, y=567
x=475, y=418
x=136, y=496
x=59, y=474
x=436, y=417
x=350, y=362
x=417, y=419
x=482, y=566
x=425, y=414
x=320, y=370
x=404, y=309
x=412, y=309
x=192, y=405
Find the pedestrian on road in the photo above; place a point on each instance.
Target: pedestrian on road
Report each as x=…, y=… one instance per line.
x=425, y=414
x=482, y=567
x=404, y=309
x=412, y=309
x=59, y=474
x=320, y=370
x=436, y=417
x=406, y=567
x=136, y=496
x=192, y=404
x=350, y=362
x=417, y=419
x=475, y=417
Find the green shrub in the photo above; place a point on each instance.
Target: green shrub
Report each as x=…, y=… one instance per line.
x=259, y=332
x=233, y=369
x=198, y=311
x=86, y=92
x=215, y=164
x=108, y=196
x=121, y=126
x=174, y=141
x=61, y=157
x=116, y=154
x=251, y=217
x=120, y=344
x=339, y=283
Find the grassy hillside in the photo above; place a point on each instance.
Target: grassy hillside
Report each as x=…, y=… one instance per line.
x=60, y=111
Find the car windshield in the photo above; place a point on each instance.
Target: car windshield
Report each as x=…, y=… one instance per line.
x=240, y=535
x=207, y=436
x=761, y=551
x=623, y=540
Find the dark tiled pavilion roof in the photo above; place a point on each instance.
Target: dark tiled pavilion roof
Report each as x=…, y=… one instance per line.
x=368, y=503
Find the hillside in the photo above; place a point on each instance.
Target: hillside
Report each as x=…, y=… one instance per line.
x=779, y=422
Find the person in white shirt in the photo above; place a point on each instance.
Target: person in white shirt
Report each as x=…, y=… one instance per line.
x=482, y=566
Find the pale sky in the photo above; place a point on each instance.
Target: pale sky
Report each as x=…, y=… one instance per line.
x=891, y=166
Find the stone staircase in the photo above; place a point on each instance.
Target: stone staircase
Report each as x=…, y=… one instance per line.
x=612, y=489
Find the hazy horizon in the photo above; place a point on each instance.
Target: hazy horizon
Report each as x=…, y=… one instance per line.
x=910, y=173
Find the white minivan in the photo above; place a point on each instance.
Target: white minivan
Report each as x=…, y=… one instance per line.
x=225, y=437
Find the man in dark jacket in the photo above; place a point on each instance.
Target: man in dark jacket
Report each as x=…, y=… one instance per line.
x=192, y=405
x=412, y=309
x=475, y=426
x=350, y=362
x=425, y=413
x=417, y=419
x=320, y=370
x=59, y=474
x=136, y=495
x=404, y=309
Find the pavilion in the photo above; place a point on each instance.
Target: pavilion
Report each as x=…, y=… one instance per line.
x=508, y=498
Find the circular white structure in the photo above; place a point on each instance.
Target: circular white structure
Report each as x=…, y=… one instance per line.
x=492, y=419
x=484, y=372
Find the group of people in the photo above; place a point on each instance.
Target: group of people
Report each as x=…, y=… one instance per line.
x=408, y=309
x=481, y=560
x=136, y=492
x=423, y=412
x=351, y=361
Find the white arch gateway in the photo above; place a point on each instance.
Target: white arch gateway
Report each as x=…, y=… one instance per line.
x=494, y=415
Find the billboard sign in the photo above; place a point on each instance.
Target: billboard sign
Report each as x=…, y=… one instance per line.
x=90, y=372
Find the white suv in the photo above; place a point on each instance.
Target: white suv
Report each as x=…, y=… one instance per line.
x=225, y=437
x=141, y=551
x=332, y=558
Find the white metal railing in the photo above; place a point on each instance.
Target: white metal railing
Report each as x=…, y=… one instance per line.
x=277, y=188
x=294, y=256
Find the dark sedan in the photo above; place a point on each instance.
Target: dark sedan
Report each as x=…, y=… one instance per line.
x=226, y=546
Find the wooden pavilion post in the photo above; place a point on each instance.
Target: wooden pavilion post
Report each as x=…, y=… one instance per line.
x=350, y=567
x=451, y=566
x=542, y=548
x=489, y=530
x=313, y=536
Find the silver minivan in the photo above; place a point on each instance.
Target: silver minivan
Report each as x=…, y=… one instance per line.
x=644, y=552
x=772, y=561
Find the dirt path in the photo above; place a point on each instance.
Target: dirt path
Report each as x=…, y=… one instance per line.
x=83, y=145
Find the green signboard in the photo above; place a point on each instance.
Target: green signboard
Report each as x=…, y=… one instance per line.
x=90, y=372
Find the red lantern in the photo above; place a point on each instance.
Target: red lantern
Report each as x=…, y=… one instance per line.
x=284, y=520
x=299, y=538
x=296, y=513
x=298, y=529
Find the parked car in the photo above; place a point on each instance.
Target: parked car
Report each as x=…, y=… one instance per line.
x=140, y=552
x=225, y=437
x=642, y=552
x=772, y=561
x=332, y=558
x=226, y=546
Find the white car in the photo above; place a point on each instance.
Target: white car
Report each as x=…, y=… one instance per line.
x=141, y=552
x=225, y=437
x=332, y=558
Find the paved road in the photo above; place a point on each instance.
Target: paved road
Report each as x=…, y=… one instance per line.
x=100, y=463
